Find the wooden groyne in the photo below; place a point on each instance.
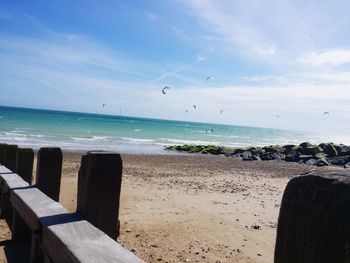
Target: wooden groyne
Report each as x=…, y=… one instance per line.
x=314, y=219
x=35, y=216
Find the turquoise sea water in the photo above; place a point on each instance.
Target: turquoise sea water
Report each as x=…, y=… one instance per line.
x=79, y=131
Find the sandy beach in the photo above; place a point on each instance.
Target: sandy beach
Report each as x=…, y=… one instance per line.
x=193, y=208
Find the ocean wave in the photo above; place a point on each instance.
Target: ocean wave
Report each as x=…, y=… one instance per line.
x=137, y=130
x=182, y=141
x=92, y=138
x=136, y=140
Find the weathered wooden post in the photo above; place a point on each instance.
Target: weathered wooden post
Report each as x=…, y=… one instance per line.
x=2, y=153
x=48, y=180
x=25, y=159
x=10, y=161
x=48, y=171
x=11, y=157
x=314, y=219
x=99, y=184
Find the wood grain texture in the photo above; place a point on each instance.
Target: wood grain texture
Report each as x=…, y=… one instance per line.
x=48, y=171
x=80, y=241
x=314, y=219
x=99, y=184
x=32, y=205
x=25, y=159
x=11, y=157
x=2, y=153
x=12, y=181
x=4, y=170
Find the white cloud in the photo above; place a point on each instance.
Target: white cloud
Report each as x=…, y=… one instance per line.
x=224, y=26
x=335, y=57
x=201, y=58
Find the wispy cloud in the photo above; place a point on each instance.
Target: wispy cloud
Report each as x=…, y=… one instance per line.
x=335, y=57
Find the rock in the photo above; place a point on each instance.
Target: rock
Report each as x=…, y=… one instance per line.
x=292, y=156
x=237, y=156
x=297, y=149
x=339, y=160
x=347, y=165
x=255, y=150
x=256, y=158
x=305, y=145
x=267, y=156
x=330, y=150
x=322, y=145
x=239, y=151
x=322, y=162
x=311, y=150
x=246, y=154
x=257, y=227
x=310, y=162
x=314, y=219
x=305, y=158
x=273, y=148
x=343, y=150
x=288, y=147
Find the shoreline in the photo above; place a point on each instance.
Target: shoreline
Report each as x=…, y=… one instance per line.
x=191, y=207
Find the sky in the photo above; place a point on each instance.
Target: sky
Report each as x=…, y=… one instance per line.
x=272, y=63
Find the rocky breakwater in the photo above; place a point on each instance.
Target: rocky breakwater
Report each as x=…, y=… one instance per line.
x=323, y=154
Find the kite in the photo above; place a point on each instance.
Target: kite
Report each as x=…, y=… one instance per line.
x=163, y=90
x=208, y=78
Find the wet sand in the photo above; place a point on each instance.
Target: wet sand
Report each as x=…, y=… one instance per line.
x=187, y=208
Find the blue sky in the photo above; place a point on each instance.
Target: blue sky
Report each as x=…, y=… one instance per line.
x=267, y=58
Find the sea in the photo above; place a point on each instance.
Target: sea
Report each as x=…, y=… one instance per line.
x=74, y=131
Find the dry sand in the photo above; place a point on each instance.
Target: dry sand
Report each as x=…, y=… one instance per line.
x=193, y=208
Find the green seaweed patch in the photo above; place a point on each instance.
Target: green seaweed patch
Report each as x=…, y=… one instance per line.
x=204, y=149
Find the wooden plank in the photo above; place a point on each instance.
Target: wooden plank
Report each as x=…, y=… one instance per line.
x=12, y=181
x=2, y=153
x=11, y=157
x=314, y=219
x=99, y=183
x=25, y=159
x=80, y=241
x=48, y=171
x=4, y=170
x=32, y=205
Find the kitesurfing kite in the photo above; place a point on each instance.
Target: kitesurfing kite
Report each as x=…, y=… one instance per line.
x=208, y=78
x=221, y=111
x=103, y=105
x=194, y=106
x=163, y=90
x=326, y=113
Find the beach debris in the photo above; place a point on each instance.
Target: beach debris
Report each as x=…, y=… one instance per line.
x=208, y=78
x=257, y=227
x=194, y=106
x=165, y=88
